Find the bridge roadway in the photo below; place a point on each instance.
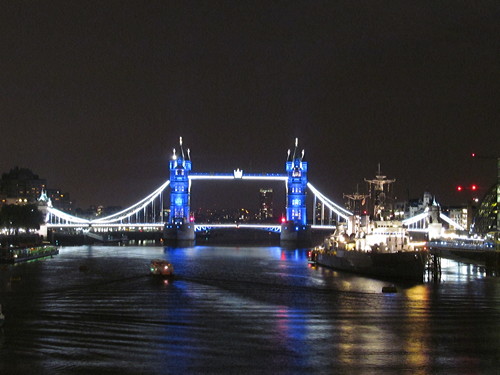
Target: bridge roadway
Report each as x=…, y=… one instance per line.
x=478, y=252
x=73, y=234
x=198, y=227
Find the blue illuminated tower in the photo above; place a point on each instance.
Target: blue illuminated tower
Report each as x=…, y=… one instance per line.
x=179, y=227
x=180, y=166
x=295, y=228
x=296, y=188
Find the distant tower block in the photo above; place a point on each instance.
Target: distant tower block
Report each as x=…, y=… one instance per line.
x=266, y=204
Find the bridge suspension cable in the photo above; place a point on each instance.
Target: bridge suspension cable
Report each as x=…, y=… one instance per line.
x=415, y=219
x=421, y=218
x=451, y=222
x=116, y=217
x=134, y=208
x=64, y=216
x=328, y=203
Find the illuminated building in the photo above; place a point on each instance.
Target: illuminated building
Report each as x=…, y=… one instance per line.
x=60, y=200
x=265, y=204
x=417, y=206
x=485, y=220
x=21, y=185
x=459, y=214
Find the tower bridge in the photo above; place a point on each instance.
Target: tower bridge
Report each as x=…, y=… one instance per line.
x=295, y=228
x=148, y=214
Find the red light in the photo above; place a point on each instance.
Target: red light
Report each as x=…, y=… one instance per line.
x=473, y=154
x=283, y=219
x=459, y=188
x=473, y=187
x=191, y=219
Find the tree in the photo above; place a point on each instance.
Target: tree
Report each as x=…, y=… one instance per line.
x=16, y=217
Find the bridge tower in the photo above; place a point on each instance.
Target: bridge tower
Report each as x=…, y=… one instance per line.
x=179, y=226
x=295, y=228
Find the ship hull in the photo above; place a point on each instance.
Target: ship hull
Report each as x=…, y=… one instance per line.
x=404, y=265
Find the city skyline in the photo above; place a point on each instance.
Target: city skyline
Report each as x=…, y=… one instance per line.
x=96, y=96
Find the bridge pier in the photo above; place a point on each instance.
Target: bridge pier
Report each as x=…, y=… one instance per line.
x=179, y=232
x=434, y=266
x=295, y=234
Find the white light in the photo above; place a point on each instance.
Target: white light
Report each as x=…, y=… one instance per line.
x=232, y=177
x=238, y=173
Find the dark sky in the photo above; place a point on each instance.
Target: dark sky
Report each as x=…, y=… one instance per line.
x=94, y=95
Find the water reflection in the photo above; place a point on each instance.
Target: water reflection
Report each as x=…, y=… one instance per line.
x=239, y=309
x=416, y=337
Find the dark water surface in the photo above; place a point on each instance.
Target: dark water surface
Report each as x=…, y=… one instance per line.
x=239, y=310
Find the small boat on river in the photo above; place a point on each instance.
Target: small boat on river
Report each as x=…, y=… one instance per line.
x=160, y=267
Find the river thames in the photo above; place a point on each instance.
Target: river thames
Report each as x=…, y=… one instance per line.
x=247, y=310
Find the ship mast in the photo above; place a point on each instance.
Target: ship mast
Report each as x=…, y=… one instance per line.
x=356, y=201
x=377, y=184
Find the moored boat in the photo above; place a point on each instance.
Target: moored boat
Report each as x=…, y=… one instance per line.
x=384, y=252
x=381, y=247
x=25, y=253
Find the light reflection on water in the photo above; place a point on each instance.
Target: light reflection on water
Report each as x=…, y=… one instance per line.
x=239, y=309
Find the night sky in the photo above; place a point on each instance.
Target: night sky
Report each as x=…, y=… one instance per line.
x=94, y=95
